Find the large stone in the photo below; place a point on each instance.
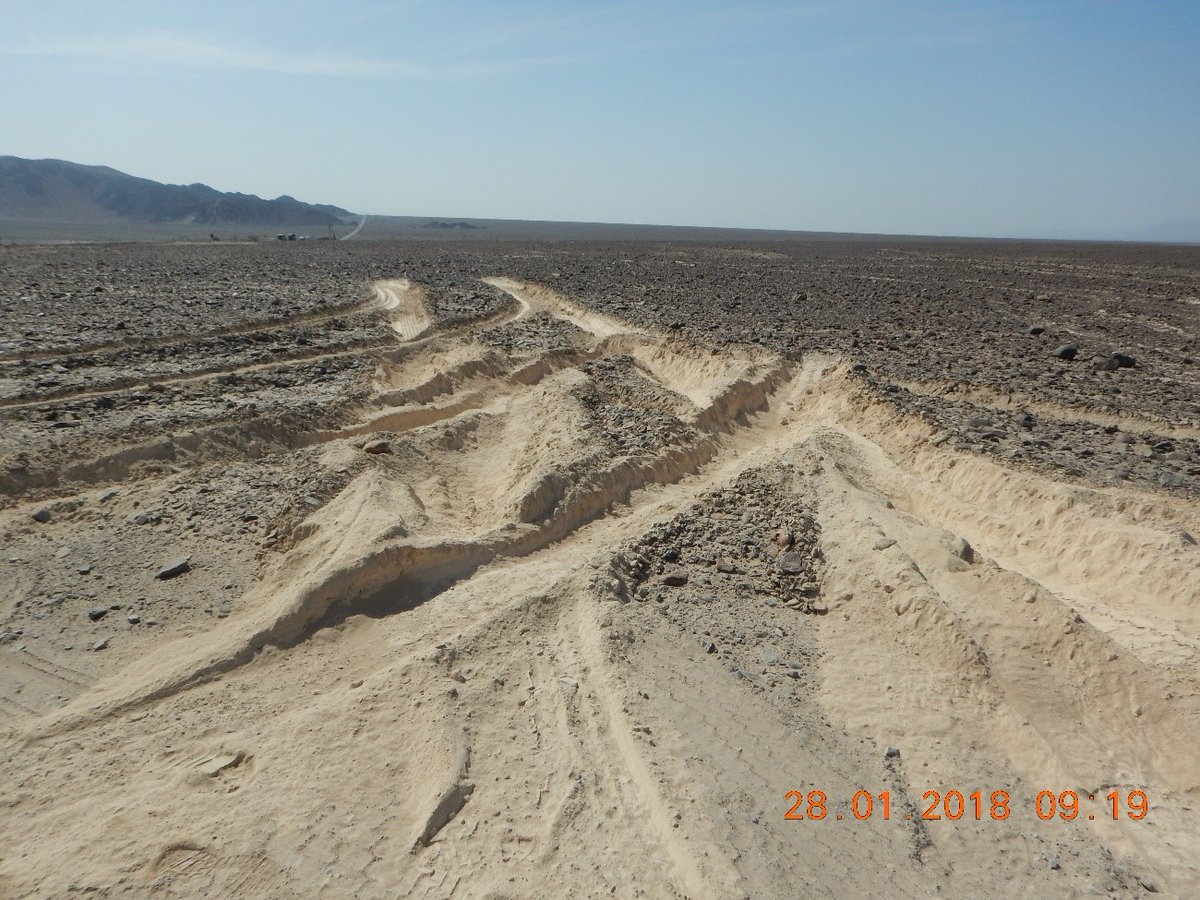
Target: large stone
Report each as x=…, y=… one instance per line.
x=963, y=550
x=176, y=566
x=377, y=446
x=792, y=563
x=1066, y=351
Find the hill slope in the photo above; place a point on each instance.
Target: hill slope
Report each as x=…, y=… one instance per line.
x=53, y=190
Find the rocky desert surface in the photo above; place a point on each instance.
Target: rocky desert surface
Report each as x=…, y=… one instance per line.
x=491, y=568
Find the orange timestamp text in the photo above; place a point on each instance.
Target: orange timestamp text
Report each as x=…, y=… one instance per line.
x=978, y=806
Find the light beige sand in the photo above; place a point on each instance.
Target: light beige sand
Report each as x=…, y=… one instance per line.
x=437, y=690
x=403, y=302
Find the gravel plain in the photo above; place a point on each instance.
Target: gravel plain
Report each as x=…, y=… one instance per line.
x=608, y=551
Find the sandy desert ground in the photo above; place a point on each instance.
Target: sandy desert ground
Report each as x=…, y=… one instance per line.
x=502, y=569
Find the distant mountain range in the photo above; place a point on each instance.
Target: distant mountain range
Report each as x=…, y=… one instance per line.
x=53, y=190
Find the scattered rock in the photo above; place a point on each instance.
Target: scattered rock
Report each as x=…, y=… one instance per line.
x=1055, y=865
x=96, y=613
x=377, y=446
x=1035, y=330
x=963, y=550
x=674, y=579
x=792, y=563
x=133, y=618
x=1066, y=351
x=884, y=543
x=1171, y=479
x=42, y=515
x=891, y=752
x=726, y=566
x=174, y=567
x=100, y=645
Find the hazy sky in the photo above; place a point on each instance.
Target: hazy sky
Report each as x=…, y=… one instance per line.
x=977, y=118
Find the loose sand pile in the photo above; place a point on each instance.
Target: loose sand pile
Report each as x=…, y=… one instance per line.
x=553, y=604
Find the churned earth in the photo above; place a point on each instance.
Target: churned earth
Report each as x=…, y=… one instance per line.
x=497, y=569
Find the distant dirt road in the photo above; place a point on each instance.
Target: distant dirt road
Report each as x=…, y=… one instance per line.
x=357, y=229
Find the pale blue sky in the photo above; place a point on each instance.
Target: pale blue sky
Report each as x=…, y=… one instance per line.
x=1077, y=117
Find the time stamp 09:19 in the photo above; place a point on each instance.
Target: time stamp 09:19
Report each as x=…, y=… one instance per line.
x=953, y=805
